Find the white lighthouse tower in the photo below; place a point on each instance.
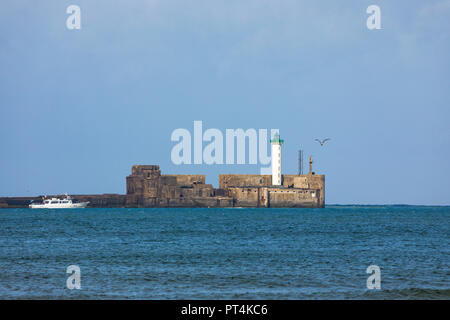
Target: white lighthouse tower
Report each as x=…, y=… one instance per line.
x=276, y=159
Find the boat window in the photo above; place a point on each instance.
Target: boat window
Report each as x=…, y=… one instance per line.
x=54, y=201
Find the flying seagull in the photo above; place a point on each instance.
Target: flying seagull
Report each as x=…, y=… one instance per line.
x=323, y=141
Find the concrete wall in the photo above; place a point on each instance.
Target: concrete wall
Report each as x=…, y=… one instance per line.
x=244, y=197
x=145, y=170
x=275, y=197
x=202, y=202
x=308, y=181
x=244, y=180
x=294, y=198
x=316, y=181
x=187, y=179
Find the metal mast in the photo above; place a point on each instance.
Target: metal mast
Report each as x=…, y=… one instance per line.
x=300, y=162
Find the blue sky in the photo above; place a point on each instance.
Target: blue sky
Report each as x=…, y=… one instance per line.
x=78, y=108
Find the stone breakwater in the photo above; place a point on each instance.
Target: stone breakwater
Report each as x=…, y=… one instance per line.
x=95, y=200
x=147, y=187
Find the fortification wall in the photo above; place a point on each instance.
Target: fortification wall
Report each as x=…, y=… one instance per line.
x=315, y=181
x=145, y=170
x=294, y=198
x=184, y=180
x=147, y=187
x=275, y=197
x=308, y=181
x=168, y=180
x=244, y=180
x=244, y=197
x=197, y=202
x=143, y=186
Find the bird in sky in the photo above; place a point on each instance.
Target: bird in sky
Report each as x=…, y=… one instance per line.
x=323, y=141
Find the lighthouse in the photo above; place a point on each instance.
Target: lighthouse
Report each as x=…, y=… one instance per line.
x=276, y=143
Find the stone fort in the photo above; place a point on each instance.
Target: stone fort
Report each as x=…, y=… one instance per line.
x=147, y=187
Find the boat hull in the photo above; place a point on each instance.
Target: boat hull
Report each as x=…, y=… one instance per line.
x=59, y=205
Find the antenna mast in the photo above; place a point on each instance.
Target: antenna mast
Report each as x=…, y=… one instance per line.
x=300, y=162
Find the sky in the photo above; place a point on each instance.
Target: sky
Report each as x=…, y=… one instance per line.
x=78, y=108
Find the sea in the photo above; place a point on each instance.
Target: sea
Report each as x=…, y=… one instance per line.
x=339, y=252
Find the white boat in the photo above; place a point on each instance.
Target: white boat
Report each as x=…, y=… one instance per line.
x=55, y=203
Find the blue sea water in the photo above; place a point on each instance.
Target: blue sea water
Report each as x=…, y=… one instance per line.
x=226, y=253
